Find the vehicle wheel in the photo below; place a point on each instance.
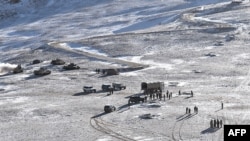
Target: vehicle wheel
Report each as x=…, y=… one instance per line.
x=124, y=88
x=94, y=91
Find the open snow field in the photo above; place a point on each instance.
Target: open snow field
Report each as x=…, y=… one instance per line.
x=198, y=45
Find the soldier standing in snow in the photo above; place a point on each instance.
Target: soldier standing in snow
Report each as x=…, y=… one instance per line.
x=218, y=123
x=211, y=123
x=221, y=123
x=222, y=105
x=214, y=121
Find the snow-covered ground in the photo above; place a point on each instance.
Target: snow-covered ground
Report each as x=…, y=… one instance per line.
x=198, y=45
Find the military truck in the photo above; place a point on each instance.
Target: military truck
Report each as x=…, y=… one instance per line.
x=106, y=88
x=149, y=88
x=89, y=89
x=118, y=86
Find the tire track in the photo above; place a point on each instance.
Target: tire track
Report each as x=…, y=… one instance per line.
x=179, y=130
x=103, y=126
x=99, y=126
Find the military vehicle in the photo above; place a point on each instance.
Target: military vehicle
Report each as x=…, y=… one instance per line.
x=109, y=108
x=110, y=71
x=89, y=89
x=71, y=66
x=18, y=69
x=218, y=43
x=36, y=61
x=57, y=62
x=118, y=86
x=42, y=71
x=150, y=88
x=106, y=88
x=135, y=99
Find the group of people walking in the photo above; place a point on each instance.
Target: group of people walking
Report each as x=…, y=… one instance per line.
x=216, y=123
x=188, y=110
x=169, y=94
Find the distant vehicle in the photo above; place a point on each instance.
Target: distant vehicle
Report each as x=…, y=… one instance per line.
x=230, y=37
x=89, y=89
x=106, y=88
x=36, y=61
x=57, y=62
x=135, y=99
x=150, y=88
x=71, y=66
x=42, y=71
x=118, y=86
x=110, y=72
x=218, y=43
x=109, y=108
x=18, y=69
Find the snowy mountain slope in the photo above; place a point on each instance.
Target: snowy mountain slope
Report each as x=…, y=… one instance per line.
x=37, y=22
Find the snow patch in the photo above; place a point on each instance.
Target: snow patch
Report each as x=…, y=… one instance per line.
x=84, y=48
x=6, y=68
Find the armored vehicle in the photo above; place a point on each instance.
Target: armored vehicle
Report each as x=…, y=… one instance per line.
x=18, y=69
x=109, y=108
x=118, y=86
x=135, y=99
x=42, y=71
x=71, y=66
x=57, y=62
x=89, y=89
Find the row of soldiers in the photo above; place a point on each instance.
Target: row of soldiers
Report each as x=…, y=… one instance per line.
x=216, y=123
x=157, y=94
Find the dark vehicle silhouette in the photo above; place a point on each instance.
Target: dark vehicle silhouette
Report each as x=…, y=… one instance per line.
x=57, y=62
x=36, y=61
x=135, y=99
x=18, y=69
x=109, y=108
x=42, y=71
x=71, y=66
x=106, y=88
x=118, y=86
